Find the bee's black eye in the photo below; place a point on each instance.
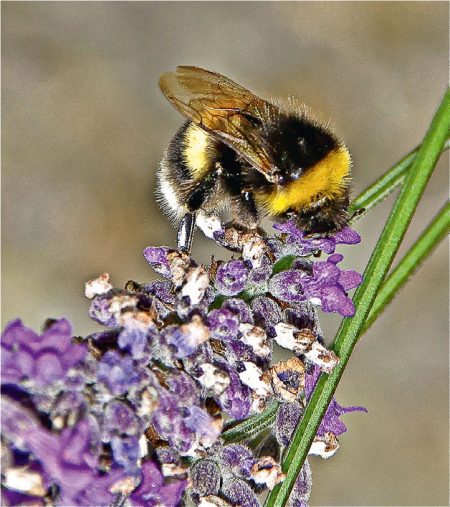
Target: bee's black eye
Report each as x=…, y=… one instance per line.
x=301, y=143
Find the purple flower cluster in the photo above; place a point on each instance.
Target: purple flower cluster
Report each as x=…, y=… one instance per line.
x=134, y=413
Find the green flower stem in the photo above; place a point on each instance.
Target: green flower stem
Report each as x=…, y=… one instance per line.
x=422, y=248
x=350, y=329
x=385, y=184
x=249, y=428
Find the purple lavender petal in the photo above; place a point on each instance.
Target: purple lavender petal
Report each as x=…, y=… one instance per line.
x=288, y=285
x=202, y=424
x=347, y=236
x=186, y=338
x=331, y=421
x=119, y=419
x=231, y=278
x=117, y=372
x=223, y=324
x=290, y=228
x=323, y=273
x=157, y=258
x=65, y=457
x=237, y=351
x=10, y=497
x=307, y=246
x=126, y=453
x=43, y=359
x=349, y=279
x=184, y=387
x=133, y=338
x=100, y=311
x=168, y=421
x=261, y=274
x=162, y=289
x=152, y=490
x=334, y=299
x=335, y=258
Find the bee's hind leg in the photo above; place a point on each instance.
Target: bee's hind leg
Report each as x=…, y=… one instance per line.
x=185, y=233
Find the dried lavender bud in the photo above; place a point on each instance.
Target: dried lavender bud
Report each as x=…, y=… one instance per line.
x=256, y=338
x=325, y=445
x=223, y=324
x=286, y=421
x=231, y=278
x=187, y=337
x=287, y=379
x=213, y=379
x=195, y=283
x=267, y=472
x=98, y=286
x=302, y=488
x=157, y=258
x=205, y=478
x=119, y=419
x=238, y=459
x=266, y=312
x=240, y=308
x=184, y=387
x=117, y=373
x=239, y=493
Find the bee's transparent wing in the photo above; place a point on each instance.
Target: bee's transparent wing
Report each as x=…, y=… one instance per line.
x=226, y=110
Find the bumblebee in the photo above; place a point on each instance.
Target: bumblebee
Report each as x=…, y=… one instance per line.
x=239, y=152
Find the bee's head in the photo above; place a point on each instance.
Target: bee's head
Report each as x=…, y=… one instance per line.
x=324, y=218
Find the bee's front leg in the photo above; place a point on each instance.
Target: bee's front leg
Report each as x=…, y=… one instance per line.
x=185, y=233
x=194, y=202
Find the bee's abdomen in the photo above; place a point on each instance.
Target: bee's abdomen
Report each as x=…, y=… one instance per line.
x=188, y=160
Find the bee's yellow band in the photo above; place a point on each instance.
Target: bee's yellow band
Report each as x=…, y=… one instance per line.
x=196, y=151
x=325, y=179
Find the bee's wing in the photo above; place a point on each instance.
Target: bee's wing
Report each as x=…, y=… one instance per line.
x=226, y=110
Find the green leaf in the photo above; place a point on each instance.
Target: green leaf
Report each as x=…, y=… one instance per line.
x=376, y=270
x=252, y=426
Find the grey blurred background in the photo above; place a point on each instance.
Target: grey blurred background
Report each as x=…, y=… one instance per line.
x=84, y=125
